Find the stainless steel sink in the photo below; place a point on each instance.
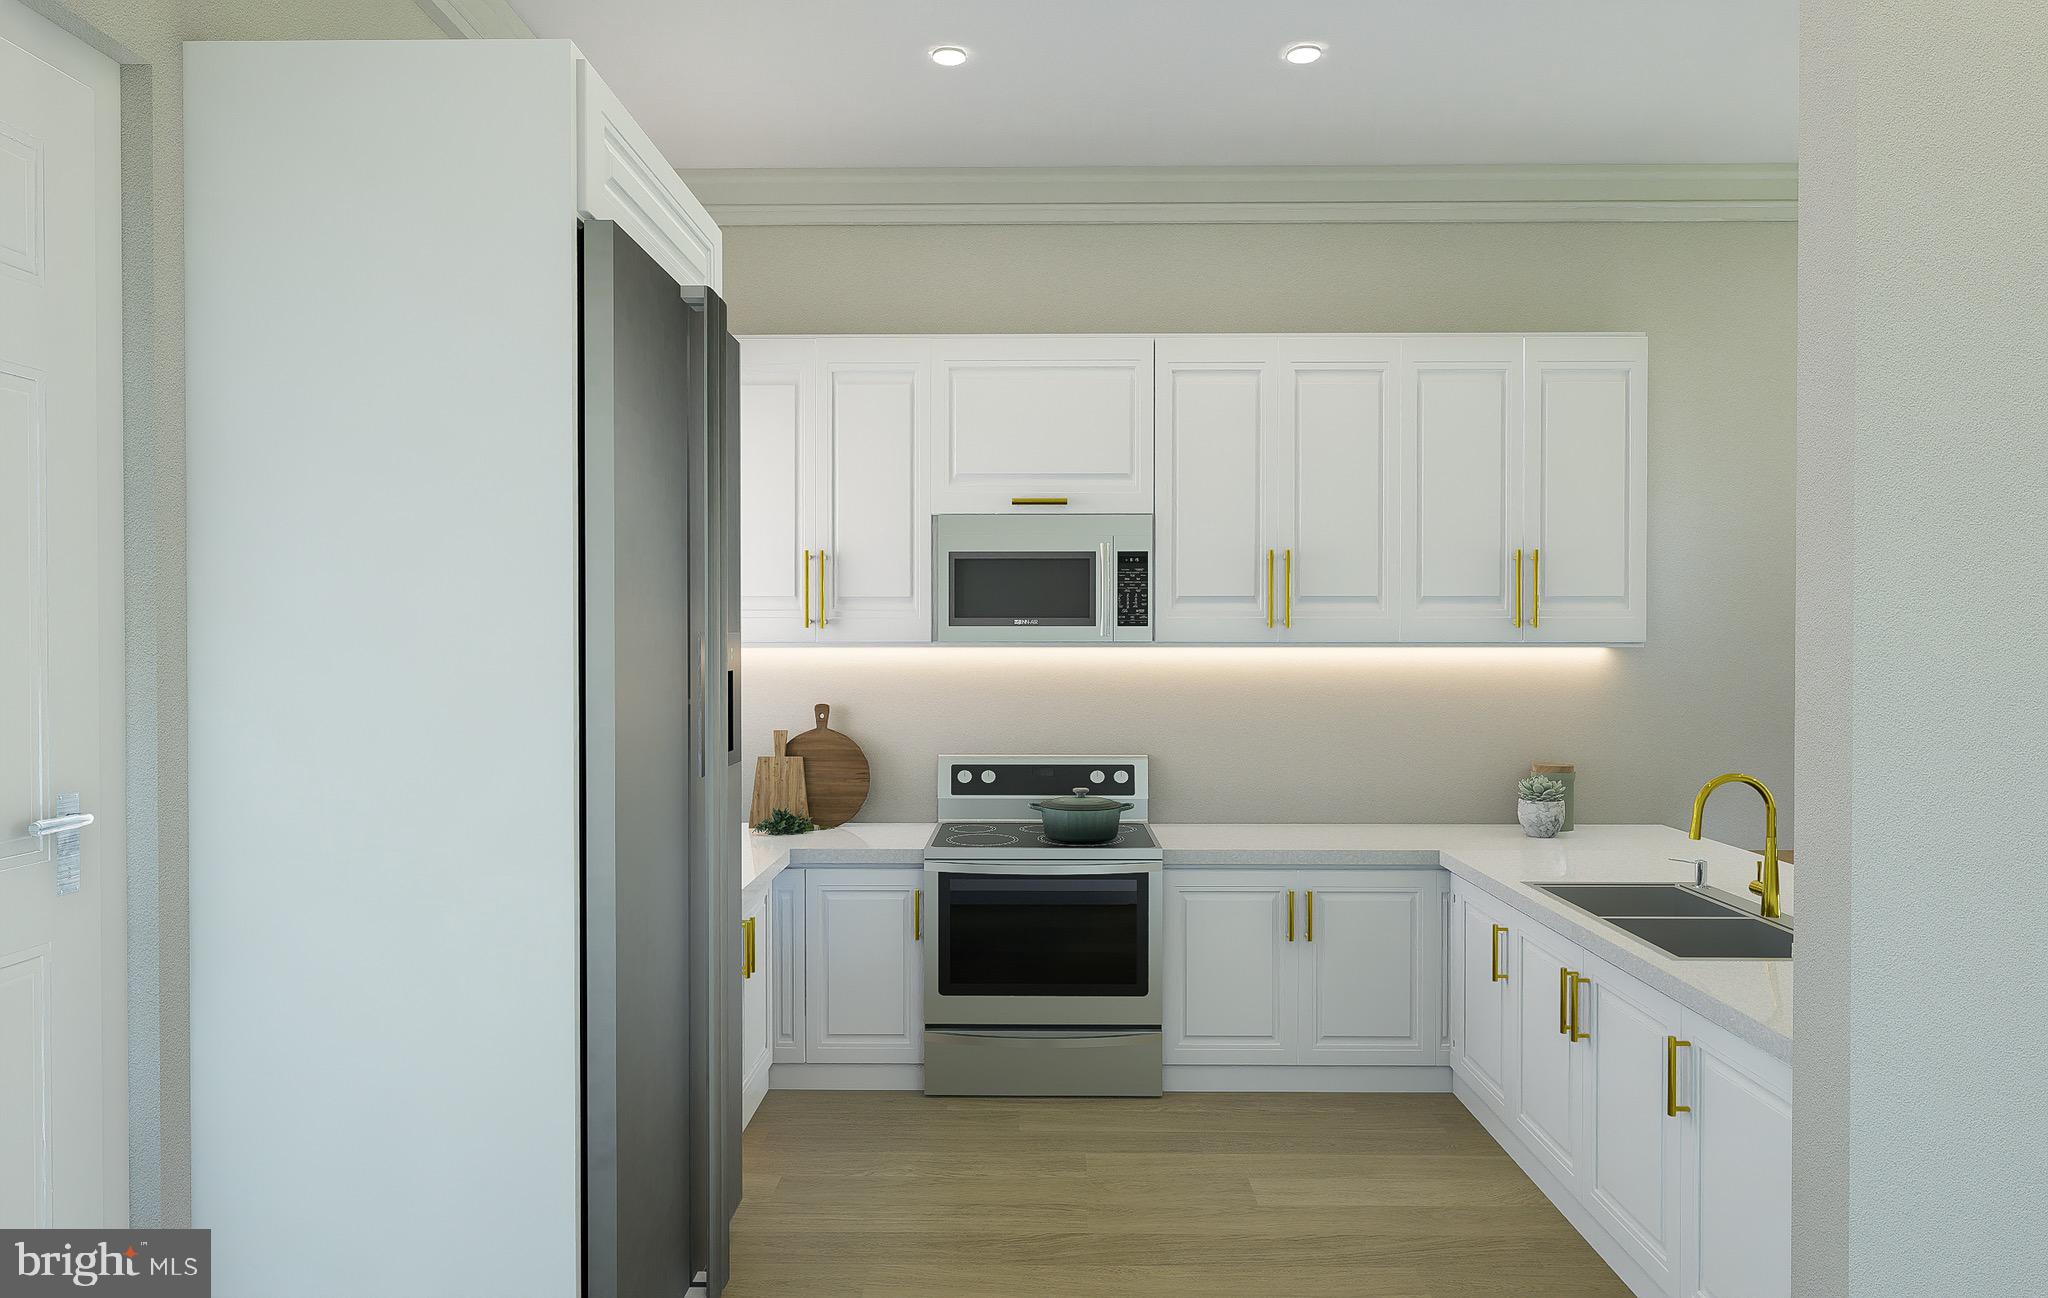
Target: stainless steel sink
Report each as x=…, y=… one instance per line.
x=1680, y=920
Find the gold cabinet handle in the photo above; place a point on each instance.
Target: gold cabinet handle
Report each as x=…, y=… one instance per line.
x=1518, y=588
x=1578, y=980
x=807, y=588
x=1038, y=500
x=1672, y=1108
x=1311, y=914
x=917, y=916
x=1269, y=588
x=1535, y=589
x=747, y=965
x=1499, y=932
x=1287, y=588
x=821, y=588
x=1290, y=914
x=1564, y=1001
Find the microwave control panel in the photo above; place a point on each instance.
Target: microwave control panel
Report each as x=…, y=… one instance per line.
x=1133, y=588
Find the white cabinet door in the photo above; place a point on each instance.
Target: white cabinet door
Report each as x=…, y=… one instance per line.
x=757, y=978
x=873, y=569
x=1043, y=417
x=1230, y=971
x=1215, y=541
x=1461, y=479
x=1586, y=488
x=780, y=402
x=622, y=177
x=864, y=998
x=786, y=979
x=1739, y=1166
x=1632, y=1179
x=1547, y=1089
x=1369, y=961
x=1486, y=977
x=1337, y=434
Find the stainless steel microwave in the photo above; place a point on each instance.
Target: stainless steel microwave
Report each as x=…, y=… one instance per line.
x=1041, y=578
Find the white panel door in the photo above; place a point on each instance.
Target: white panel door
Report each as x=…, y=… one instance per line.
x=62, y=1085
x=1043, y=417
x=1231, y=977
x=1461, y=498
x=757, y=978
x=1739, y=1166
x=1214, y=538
x=1487, y=977
x=874, y=567
x=781, y=403
x=1586, y=489
x=864, y=998
x=1338, y=426
x=1545, y=1059
x=622, y=177
x=1632, y=1179
x=1370, y=984
x=786, y=982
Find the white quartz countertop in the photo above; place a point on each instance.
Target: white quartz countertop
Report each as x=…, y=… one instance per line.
x=1751, y=998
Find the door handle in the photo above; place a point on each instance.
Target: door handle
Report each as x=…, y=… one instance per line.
x=1107, y=609
x=1290, y=914
x=1518, y=588
x=1269, y=589
x=747, y=947
x=821, y=589
x=1564, y=1001
x=1535, y=588
x=1578, y=980
x=1287, y=590
x=1499, y=931
x=917, y=916
x=1672, y=1108
x=1311, y=914
x=1038, y=500
x=807, y=588
x=60, y=824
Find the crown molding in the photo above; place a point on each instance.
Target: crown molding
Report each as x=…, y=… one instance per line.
x=477, y=20
x=1141, y=195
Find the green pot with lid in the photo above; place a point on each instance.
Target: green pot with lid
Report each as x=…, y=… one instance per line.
x=1081, y=818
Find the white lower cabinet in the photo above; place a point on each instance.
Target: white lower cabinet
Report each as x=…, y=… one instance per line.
x=757, y=980
x=1665, y=1132
x=1303, y=967
x=863, y=966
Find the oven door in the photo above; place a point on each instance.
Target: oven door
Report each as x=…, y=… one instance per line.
x=1012, y=579
x=1047, y=946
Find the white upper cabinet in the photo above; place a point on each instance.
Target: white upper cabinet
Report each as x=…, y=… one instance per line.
x=1585, y=487
x=1461, y=499
x=622, y=177
x=835, y=539
x=1277, y=460
x=1052, y=418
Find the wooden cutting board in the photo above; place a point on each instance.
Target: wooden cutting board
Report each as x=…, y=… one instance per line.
x=779, y=783
x=835, y=771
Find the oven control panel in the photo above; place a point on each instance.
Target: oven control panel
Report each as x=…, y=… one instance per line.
x=974, y=787
x=1133, y=587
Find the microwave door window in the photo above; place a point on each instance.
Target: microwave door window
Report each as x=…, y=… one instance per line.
x=1023, y=588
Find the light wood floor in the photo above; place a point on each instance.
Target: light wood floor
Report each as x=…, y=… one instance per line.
x=893, y=1195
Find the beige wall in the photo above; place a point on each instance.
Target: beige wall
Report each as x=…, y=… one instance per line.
x=1377, y=735
x=146, y=36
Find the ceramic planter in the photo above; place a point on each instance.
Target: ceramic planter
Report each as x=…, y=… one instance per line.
x=1540, y=819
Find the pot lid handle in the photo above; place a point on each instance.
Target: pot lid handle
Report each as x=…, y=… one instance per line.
x=1081, y=792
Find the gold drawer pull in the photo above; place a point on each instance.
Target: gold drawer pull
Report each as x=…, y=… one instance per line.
x=1038, y=500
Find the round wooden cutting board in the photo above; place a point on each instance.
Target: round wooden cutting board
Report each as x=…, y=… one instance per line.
x=835, y=771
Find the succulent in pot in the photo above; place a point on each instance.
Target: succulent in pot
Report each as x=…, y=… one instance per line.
x=1081, y=818
x=1540, y=806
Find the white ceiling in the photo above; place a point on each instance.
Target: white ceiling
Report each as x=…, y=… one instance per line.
x=1051, y=83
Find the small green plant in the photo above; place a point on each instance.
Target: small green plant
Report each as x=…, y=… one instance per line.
x=784, y=821
x=1540, y=788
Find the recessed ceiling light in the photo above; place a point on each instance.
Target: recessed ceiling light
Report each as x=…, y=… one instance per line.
x=1306, y=52
x=952, y=56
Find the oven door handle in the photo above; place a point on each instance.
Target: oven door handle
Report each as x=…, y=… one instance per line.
x=1035, y=870
x=1106, y=605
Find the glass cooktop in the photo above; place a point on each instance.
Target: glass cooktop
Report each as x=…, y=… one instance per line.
x=967, y=835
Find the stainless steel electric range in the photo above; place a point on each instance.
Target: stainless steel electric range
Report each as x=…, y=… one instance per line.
x=1042, y=977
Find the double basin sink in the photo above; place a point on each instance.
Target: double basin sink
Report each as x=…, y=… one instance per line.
x=1680, y=920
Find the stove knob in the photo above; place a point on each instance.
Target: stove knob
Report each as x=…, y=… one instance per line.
x=988, y=777
x=1123, y=777
x=965, y=777
x=1095, y=777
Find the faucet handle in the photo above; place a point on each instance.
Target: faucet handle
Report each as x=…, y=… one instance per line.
x=1699, y=869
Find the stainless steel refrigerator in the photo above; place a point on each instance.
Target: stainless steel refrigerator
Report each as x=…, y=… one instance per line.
x=660, y=762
